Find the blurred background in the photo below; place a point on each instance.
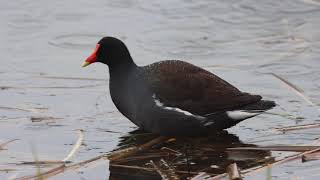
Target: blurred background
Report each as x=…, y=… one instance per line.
x=45, y=95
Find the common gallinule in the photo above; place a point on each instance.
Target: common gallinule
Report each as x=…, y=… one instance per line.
x=173, y=97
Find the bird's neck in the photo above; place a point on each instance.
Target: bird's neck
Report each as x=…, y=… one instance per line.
x=122, y=68
x=120, y=86
x=120, y=74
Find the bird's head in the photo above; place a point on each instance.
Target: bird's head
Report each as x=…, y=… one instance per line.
x=110, y=51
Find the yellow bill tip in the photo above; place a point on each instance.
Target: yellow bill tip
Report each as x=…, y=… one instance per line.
x=84, y=64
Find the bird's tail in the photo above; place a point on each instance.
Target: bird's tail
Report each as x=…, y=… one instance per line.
x=262, y=105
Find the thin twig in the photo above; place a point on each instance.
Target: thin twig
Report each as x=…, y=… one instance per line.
x=177, y=153
x=171, y=171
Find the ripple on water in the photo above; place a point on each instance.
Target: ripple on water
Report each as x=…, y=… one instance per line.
x=285, y=68
x=316, y=81
x=75, y=41
x=71, y=17
x=178, y=42
x=312, y=2
x=27, y=23
x=122, y=3
x=275, y=7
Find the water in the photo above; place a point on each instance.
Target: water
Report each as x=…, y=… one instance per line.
x=43, y=44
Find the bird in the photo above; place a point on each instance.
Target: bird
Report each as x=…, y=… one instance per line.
x=173, y=97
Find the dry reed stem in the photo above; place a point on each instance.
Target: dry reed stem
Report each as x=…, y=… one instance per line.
x=6, y=143
x=311, y=157
x=171, y=171
x=164, y=175
x=72, y=78
x=298, y=127
x=142, y=157
x=15, y=109
x=250, y=171
x=233, y=172
x=45, y=162
x=112, y=157
x=76, y=146
x=219, y=176
x=275, y=148
x=133, y=150
x=295, y=89
x=287, y=159
x=152, y=169
x=53, y=87
x=73, y=151
x=201, y=176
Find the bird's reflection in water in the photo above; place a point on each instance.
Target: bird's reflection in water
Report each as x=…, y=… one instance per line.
x=187, y=156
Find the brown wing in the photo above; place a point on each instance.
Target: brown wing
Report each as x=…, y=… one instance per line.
x=191, y=88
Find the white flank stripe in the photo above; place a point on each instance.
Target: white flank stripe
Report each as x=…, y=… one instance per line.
x=158, y=103
x=240, y=114
x=208, y=123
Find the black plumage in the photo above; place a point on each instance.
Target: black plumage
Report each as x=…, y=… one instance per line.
x=173, y=97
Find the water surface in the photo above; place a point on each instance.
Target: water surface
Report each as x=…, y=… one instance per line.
x=43, y=44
